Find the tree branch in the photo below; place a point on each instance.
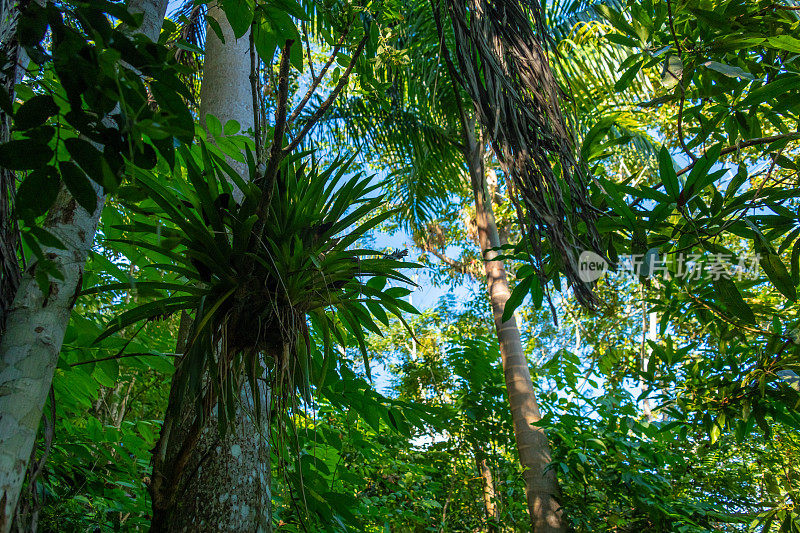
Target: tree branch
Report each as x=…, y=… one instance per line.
x=746, y=144
x=254, y=91
x=121, y=355
x=275, y=153
x=308, y=52
x=680, y=123
x=680, y=84
x=317, y=79
x=458, y=266
x=331, y=98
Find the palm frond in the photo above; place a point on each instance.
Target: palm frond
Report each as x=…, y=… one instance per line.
x=419, y=155
x=191, y=19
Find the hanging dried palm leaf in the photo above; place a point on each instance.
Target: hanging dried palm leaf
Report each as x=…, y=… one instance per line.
x=504, y=68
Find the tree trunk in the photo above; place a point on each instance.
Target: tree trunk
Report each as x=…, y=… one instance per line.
x=492, y=512
x=225, y=91
x=209, y=483
x=204, y=481
x=36, y=322
x=534, y=451
x=11, y=73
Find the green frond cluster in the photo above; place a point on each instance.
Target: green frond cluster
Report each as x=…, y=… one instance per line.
x=250, y=298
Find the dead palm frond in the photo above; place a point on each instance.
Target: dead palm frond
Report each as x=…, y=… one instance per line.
x=504, y=68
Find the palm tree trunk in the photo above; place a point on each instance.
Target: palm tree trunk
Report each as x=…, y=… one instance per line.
x=36, y=322
x=204, y=481
x=534, y=451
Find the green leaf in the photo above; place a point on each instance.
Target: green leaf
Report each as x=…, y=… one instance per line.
x=189, y=47
x=537, y=292
x=159, y=362
x=46, y=238
x=778, y=274
x=24, y=154
x=275, y=24
x=728, y=70
x=37, y=193
x=240, y=15
x=92, y=162
x=729, y=296
x=377, y=283
x=769, y=91
x=785, y=42
x=232, y=127
x=714, y=433
x=627, y=77
x=145, y=431
x=265, y=36
x=736, y=182
x=78, y=185
x=623, y=40
x=35, y=112
x=102, y=378
x=216, y=28
x=148, y=311
x=377, y=311
x=144, y=286
x=516, y=298
x=213, y=125
x=667, y=172
x=293, y=8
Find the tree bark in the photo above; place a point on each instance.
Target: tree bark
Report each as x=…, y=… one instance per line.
x=204, y=481
x=492, y=511
x=11, y=74
x=224, y=484
x=36, y=322
x=534, y=451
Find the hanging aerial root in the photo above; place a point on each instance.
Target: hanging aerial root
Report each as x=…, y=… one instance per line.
x=504, y=69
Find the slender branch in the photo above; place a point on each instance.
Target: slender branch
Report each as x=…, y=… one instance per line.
x=746, y=144
x=331, y=98
x=672, y=28
x=680, y=84
x=317, y=79
x=458, y=266
x=680, y=123
x=275, y=154
x=254, y=92
x=308, y=51
x=731, y=321
x=121, y=355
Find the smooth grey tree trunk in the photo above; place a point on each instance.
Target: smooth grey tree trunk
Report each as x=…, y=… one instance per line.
x=541, y=486
x=223, y=485
x=36, y=322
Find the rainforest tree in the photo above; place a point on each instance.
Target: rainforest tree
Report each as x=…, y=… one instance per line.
x=213, y=222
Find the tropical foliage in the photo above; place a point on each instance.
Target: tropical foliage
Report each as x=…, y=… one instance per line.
x=340, y=258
